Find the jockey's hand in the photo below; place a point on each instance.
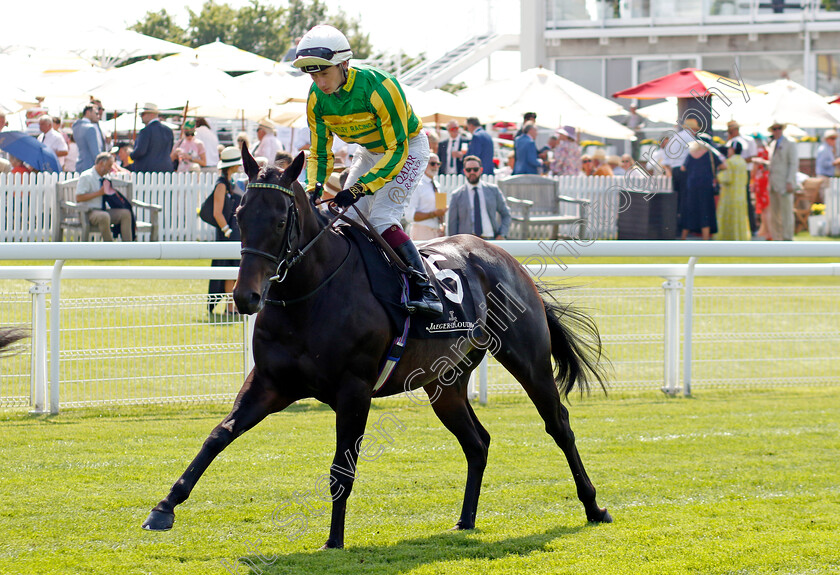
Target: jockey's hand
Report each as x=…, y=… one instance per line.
x=350, y=196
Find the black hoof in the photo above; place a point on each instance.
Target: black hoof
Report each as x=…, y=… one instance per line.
x=159, y=521
x=461, y=527
x=332, y=545
x=603, y=517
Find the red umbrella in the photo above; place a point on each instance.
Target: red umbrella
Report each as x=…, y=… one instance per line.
x=687, y=83
x=835, y=100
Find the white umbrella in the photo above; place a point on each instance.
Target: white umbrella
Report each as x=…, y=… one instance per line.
x=438, y=106
x=14, y=99
x=109, y=47
x=259, y=95
x=278, y=85
x=168, y=84
x=556, y=101
x=785, y=101
x=226, y=57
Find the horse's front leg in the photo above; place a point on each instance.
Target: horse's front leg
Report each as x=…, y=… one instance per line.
x=254, y=402
x=351, y=411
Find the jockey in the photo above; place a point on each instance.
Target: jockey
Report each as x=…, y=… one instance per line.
x=366, y=106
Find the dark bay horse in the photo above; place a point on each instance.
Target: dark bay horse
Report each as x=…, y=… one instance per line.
x=323, y=335
x=8, y=336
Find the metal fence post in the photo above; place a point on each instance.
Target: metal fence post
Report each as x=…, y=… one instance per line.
x=38, y=370
x=55, y=335
x=689, y=324
x=482, y=390
x=672, y=287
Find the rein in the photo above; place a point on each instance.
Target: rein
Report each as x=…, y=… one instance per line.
x=289, y=256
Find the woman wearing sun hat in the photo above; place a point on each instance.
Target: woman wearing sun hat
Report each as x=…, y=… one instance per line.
x=366, y=106
x=227, y=230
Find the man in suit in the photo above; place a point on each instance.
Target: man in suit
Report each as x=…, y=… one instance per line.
x=784, y=163
x=154, y=144
x=481, y=145
x=88, y=138
x=477, y=197
x=452, y=151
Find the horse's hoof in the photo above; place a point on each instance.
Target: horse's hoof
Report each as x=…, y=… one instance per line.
x=332, y=545
x=603, y=517
x=159, y=521
x=461, y=527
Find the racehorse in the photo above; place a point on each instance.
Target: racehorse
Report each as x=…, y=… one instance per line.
x=324, y=335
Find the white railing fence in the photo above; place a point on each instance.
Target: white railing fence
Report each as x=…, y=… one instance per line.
x=27, y=202
x=117, y=350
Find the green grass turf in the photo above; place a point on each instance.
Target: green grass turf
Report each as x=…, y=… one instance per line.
x=724, y=482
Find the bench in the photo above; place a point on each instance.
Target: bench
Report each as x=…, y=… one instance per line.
x=534, y=203
x=71, y=216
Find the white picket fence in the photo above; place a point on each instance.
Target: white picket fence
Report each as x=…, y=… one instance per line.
x=28, y=200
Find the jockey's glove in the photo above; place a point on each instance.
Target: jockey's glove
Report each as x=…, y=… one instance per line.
x=350, y=196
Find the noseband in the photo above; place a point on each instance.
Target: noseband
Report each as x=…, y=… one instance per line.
x=289, y=256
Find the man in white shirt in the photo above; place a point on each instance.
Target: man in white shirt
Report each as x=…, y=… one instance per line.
x=92, y=186
x=52, y=139
x=207, y=136
x=269, y=145
x=422, y=211
x=453, y=150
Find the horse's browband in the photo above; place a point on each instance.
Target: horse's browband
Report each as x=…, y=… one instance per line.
x=286, y=191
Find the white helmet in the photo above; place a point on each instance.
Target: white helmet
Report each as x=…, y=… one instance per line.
x=321, y=47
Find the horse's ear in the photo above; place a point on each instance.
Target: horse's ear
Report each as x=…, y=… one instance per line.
x=252, y=168
x=294, y=170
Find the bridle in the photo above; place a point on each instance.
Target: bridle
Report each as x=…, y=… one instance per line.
x=290, y=255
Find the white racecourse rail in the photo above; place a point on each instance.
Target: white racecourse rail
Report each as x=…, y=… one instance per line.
x=118, y=350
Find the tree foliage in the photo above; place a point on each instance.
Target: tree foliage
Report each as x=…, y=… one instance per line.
x=160, y=25
x=259, y=27
x=212, y=23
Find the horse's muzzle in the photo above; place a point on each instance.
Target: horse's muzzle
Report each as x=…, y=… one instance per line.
x=247, y=301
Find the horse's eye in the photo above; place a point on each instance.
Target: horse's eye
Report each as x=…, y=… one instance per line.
x=281, y=225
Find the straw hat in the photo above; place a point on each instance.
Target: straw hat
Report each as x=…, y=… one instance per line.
x=230, y=156
x=691, y=124
x=599, y=155
x=777, y=123
x=830, y=134
x=333, y=185
x=732, y=124
x=267, y=124
x=149, y=107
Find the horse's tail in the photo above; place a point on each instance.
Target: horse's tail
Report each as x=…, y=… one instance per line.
x=8, y=336
x=575, y=344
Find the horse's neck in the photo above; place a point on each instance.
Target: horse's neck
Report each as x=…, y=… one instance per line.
x=321, y=259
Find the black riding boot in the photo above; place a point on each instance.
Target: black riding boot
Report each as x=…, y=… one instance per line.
x=429, y=303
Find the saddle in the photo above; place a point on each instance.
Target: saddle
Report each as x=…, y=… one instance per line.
x=387, y=276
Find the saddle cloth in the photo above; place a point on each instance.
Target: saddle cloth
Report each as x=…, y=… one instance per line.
x=459, y=317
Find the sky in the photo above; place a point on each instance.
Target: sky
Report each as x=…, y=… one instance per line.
x=435, y=25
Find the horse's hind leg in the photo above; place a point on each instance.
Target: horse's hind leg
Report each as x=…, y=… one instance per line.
x=254, y=402
x=452, y=408
x=531, y=366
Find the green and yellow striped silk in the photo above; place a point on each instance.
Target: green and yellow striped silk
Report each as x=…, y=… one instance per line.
x=370, y=110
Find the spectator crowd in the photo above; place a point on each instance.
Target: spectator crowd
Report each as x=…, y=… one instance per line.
x=739, y=189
